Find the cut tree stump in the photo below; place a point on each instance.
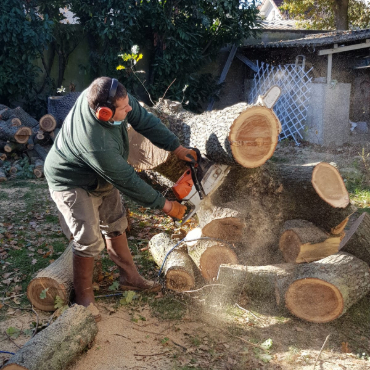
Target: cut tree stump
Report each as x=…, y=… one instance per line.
x=208, y=255
x=357, y=239
x=302, y=241
x=179, y=268
x=19, y=134
x=57, y=278
x=58, y=344
x=48, y=123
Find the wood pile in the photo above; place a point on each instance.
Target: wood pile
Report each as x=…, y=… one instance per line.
x=275, y=230
x=24, y=143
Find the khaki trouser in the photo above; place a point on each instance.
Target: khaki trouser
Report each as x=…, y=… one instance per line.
x=87, y=216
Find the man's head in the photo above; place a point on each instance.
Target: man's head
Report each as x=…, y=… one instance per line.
x=108, y=95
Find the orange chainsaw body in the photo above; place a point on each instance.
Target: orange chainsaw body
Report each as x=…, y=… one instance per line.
x=183, y=185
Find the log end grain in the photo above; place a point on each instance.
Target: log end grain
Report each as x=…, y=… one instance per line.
x=48, y=122
x=179, y=280
x=253, y=136
x=228, y=229
x=314, y=300
x=289, y=245
x=37, y=285
x=22, y=135
x=213, y=257
x=329, y=185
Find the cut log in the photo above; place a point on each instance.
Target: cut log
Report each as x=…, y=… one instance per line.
x=57, y=278
x=47, y=123
x=3, y=157
x=324, y=290
x=319, y=292
x=30, y=142
x=208, y=255
x=2, y=144
x=13, y=147
x=59, y=106
x=221, y=223
x=178, y=268
x=302, y=241
x=15, y=122
x=40, y=151
x=58, y=344
x=2, y=175
x=357, y=239
x=241, y=134
x=14, y=133
x=39, y=168
x=23, y=116
x=54, y=134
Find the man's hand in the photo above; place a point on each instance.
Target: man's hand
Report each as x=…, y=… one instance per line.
x=187, y=154
x=174, y=209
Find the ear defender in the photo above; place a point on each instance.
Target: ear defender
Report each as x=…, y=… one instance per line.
x=106, y=112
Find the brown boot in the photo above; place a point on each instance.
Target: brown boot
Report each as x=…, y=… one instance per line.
x=130, y=279
x=82, y=280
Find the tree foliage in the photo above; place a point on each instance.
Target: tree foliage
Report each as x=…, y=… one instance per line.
x=329, y=14
x=179, y=37
x=24, y=35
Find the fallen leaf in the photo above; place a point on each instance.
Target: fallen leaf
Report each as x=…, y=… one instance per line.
x=299, y=329
x=40, y=251
x=47, y=254
x=34, y=261
x=7, y=281
x=7, y=274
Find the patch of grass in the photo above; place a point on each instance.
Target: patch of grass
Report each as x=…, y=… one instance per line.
x=52, y=219
x=4, y=196
x=168, y=308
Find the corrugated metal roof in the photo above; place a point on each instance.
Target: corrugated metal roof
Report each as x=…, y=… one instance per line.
x=318, y=39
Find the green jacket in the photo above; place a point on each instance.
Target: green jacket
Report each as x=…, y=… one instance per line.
x=88, y=153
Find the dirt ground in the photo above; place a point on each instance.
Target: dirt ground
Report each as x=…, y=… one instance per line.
x=193, y=331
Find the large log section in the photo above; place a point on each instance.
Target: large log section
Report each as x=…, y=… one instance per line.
x=57, y=345
x=241, y=134
x=319, y=292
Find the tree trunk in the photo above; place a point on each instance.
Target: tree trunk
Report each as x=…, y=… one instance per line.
x=301, y=241
x=357, y=239
x=47, y=123
x=240, y=134
x=179, y=269
x=58, y=344
x=341, y=14
x=208, y=255
x=20, y=134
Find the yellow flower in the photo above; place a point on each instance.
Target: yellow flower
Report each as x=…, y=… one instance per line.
x=120, y=67
x=139, y=57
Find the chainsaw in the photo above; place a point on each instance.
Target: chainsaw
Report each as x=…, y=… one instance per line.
x=197, y=182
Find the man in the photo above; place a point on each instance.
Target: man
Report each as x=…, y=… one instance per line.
x=87, y=167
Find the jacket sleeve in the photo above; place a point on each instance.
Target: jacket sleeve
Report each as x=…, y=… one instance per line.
x=151, y=127
x=114, y=168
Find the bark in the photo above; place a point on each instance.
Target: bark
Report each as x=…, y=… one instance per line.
x=341, y=14
x=208, y=255
x=178, y=269
x=19, y=134
x=40, y=151
x=301, y=241
x=3, y=157
x=58, y=344
x=357, y=239
x=48, y=123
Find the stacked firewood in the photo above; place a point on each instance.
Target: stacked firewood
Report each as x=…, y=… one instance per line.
x=24, y=143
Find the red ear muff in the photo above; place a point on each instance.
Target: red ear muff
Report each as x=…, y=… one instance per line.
x=104, y=113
